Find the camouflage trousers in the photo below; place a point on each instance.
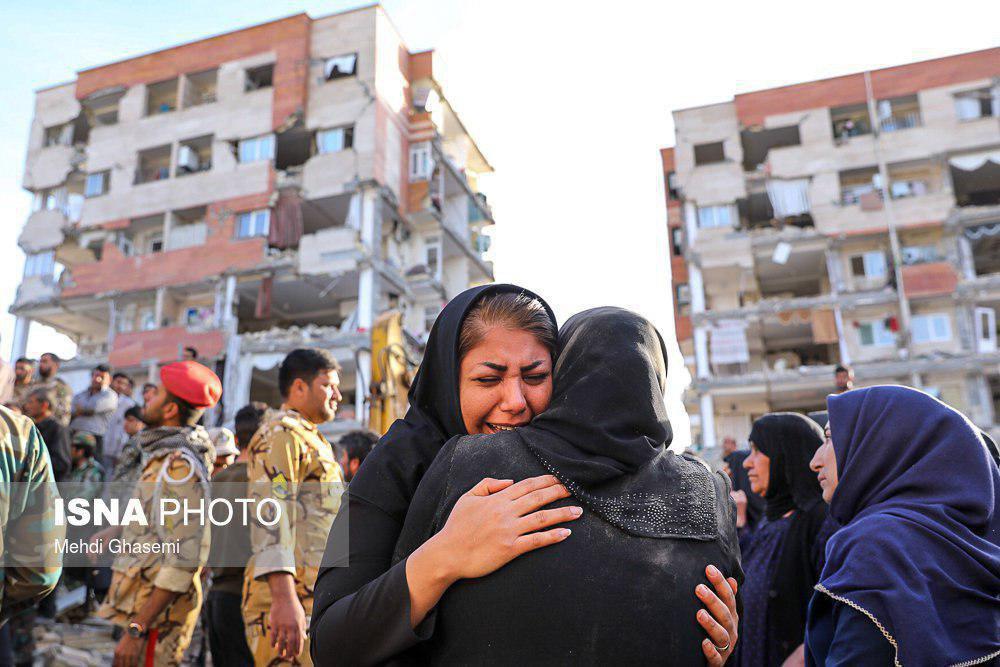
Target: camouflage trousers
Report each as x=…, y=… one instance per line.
x=264, y=655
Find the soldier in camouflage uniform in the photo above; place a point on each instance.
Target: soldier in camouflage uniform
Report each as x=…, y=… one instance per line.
x=28, y=534
x=62, y=395
x=24, y=372
x=156, y=597
x=291, y=462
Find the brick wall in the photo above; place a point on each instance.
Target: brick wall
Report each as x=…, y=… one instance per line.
x=288, y=38
x=934, y=279
x=220, y=253
x=163, y=346
x=752, y=108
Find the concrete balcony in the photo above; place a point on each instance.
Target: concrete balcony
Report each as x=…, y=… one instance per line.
x=35, y=290
x=330, y=250
x=44, y=230
x=930, y=279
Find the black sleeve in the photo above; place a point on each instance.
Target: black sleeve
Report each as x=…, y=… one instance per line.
x=856, y=641
x=361, y=613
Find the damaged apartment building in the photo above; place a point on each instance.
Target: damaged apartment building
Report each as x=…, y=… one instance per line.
x=853, y=220
x=246, y=194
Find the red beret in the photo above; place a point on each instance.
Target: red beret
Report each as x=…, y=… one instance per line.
x=192, y=382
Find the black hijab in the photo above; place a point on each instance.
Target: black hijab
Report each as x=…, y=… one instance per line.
x=390, y=474
x=789, y=440
x=741, y=482
x=606, y=431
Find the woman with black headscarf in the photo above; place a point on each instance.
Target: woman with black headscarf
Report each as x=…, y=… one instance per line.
x=783, y=557
x=619, y=590
x=913, y=575
x=361, y=609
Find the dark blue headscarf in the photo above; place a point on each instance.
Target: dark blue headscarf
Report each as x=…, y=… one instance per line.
x=919, y=550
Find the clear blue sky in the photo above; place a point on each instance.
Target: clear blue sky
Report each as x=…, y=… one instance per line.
x=569, y=100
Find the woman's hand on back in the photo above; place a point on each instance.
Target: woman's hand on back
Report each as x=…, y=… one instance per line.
x=492, y=524
x=497, y=520
x=721, y=620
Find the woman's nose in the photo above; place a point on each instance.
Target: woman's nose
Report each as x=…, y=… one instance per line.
x=513, y=400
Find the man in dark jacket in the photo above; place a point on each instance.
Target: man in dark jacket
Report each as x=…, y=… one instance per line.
x=39, y=407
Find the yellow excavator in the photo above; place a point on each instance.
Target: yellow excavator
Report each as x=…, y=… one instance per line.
x=392, y=371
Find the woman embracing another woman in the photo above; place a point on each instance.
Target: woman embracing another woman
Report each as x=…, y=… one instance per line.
x=487, y=369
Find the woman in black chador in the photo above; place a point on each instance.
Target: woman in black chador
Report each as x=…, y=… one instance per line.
x=782, y=558
x=619, y=589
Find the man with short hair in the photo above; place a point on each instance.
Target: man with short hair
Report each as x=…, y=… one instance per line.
x=121, y=384
x=352, y=448
x=190, y=354
x=292, y=464
x=62, y=395
x=156, y=597
x=38, y=407
x=148, y=391
x=24, y=375
x=728, y=445
x=844, y=379
x=230, y=550
x=94, y=407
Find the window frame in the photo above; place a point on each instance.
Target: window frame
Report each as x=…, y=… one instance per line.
x=711, y=214
x=105, y=176
x=259, y=153
x=346, y=139
x=421, y=165
x=938, y=328
x=881, y=336
x=256, y=230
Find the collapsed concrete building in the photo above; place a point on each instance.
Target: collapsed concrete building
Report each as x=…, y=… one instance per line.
x=246, y=194
x=853, y=220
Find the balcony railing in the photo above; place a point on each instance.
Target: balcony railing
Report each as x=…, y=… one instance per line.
x=900, y=122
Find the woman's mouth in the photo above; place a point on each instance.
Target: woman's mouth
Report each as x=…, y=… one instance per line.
x=496, y=428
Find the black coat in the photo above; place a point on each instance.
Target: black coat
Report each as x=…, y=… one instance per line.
x=601, y=597
x=57, y=440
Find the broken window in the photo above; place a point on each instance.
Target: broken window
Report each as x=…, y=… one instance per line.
x=194, y=155
x=199, y=88
x=293, y=147
x=859, y=185
x=161, y=97
x=259, y=77
x=153, y=165
x=256, y=148
x=677, y=241
x=976, y=178
x=682, y=297
x=334, y=140
x=144, y=236
x=979, y=103
x=339, y=67
x=59, y=135
x=253, y=223
x=850, y=121
x=672, y=190
x=898, y=113
x=421, y=162
x=709, y=153
x=101, y=108
x=869, y=265
x=97, y=184
x=757, y=143
x=920, y=254
x=40, y=264
x=711, y=217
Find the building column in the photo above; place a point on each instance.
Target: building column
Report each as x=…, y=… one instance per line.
x=966, y=262
x=370, y=233
x=19, y=346
x=707, y=421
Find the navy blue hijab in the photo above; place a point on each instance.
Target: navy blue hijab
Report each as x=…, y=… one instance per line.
x=919, y=547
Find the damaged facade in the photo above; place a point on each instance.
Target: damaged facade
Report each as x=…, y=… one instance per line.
x=247, y=194
x=853, y=220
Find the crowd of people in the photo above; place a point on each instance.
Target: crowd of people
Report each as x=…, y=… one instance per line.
x=103, y=443
x=530, y=508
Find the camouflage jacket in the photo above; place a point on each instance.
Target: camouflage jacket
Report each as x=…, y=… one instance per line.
x=29, y=534
x=165, y=477
x=87, y=481
x=290, y=462
x=62, y=396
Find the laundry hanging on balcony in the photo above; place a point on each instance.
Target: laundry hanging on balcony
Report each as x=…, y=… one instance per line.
x=975, y=161
x=287, y=227
x=728, y=343
x=789, y=198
